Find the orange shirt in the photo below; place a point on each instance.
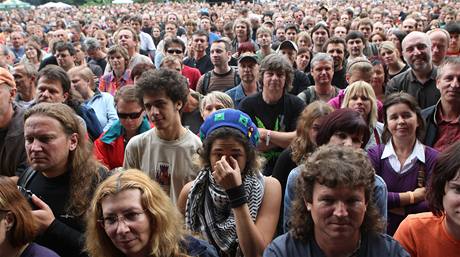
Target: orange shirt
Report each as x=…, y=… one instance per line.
x=425, y=235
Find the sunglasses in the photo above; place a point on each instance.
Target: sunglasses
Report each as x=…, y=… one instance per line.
x=174, y=51
x=133, y=115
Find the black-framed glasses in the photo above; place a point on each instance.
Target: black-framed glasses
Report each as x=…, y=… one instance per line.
x=132, y=115
x=174, y=51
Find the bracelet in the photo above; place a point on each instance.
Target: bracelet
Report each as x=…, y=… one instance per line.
x=237, y=196
x=267, y=139
x=411, y=197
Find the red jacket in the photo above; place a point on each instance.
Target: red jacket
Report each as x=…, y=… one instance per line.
x=111, y=155
x=109, y=148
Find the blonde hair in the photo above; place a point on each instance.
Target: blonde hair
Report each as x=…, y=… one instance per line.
x=365, y=89
x=216, y=96
x=388, y=45
x=85, y=73
x=167, y=232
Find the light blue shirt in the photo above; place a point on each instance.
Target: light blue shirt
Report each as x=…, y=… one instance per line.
x=104, y=106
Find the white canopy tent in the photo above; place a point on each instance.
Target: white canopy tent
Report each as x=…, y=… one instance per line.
x=122, y=2
x=58, y=5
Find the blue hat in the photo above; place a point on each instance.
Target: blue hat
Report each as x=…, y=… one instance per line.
x=230, y=118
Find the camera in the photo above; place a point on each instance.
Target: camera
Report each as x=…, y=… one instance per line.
x=28, y=195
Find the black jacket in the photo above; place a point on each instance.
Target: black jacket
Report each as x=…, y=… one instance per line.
x=431, y=128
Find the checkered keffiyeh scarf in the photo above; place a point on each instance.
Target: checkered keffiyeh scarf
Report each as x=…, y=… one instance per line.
x=208, y=209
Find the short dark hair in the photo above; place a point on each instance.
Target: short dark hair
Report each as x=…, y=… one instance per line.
x=335, y=40
x=173, y=40
x=354, y=34
x=55, y=73
x=225, y=42
x=344, y=120
x=453, y=28
x=201, y=33
x=447, y=168
x=61, y=46
x=291, y=26
x=409, y=100
x=136, y=18
x=171, y=82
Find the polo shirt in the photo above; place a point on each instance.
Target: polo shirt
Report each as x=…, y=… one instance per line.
x=426, y=94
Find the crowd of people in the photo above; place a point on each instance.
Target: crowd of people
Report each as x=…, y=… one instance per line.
x=274, y=128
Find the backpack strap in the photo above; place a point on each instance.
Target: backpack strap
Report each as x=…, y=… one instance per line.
x=26, y=176
x=206, y=81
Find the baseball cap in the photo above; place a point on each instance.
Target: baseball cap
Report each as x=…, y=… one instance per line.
x=287, y=44
x=7, y=78
x=249, y=57
x=230, y=118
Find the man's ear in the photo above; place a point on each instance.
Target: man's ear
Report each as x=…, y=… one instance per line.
x=73, y=141
x=179, y=104
x=12, y=94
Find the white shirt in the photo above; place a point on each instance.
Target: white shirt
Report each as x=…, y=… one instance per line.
x=418, y=153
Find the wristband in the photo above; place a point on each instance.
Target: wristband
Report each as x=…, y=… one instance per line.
x=237, y=196
x=411, y=197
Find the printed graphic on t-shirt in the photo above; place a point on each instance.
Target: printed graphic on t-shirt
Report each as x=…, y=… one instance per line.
x=163, y=175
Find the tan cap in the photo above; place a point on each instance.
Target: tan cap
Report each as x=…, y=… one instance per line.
x=7, y=78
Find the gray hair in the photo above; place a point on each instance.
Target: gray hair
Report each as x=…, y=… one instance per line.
x=320, y=57
x=447, y=61
x=92, y=44
x=29, y=69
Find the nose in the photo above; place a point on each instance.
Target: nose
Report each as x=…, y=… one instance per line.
x=122, y=227
x=348, y=141
x=35, y=146
x=340, y=209
x=456, y=82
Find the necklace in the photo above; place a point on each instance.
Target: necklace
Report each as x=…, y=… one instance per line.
x=356, y=251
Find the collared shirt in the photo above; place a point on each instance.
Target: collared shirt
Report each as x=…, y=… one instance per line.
x=146, y=42
x=448, y=130
x=418, y=153
x=109, y=83
x=426, y=94
x=237, y=93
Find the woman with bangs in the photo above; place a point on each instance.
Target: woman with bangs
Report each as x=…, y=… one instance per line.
x=360, y=97
x=343, y=127
x=401, y=159
x=130, y=215
x=33, y=54
x=120, y=75
x=302, y=145
x=392, y=58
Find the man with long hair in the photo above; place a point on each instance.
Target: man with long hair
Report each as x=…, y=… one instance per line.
x=62, y=176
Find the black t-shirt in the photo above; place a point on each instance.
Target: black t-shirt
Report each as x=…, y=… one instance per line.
x=281, y=116
x=192, y=120
x=65, y=234
x=204, y=64
x=300, y=82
